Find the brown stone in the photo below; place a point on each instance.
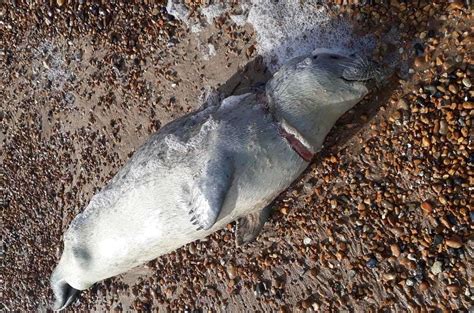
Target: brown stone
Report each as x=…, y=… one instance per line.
x=409, y=264
x=427, y=207
x=456, y=5
x=453, y=89
x=425, y=142
x=395, y=250
x=454, y=242
x=453, y=289
x=313, y=273
x=423, y=286
x=389, y=276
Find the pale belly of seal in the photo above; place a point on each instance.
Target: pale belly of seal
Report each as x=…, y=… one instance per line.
x=145, y=211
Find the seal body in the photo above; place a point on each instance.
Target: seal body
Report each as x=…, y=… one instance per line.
x=205, y=170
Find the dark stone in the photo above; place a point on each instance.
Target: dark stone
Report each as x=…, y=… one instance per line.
x=419, y=49
x=438, y=239
x=372, y=262
x=452, y=219
x=430, y=89
x=260, y=289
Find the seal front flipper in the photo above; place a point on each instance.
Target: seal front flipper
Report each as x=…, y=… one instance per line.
x=210, y=190
x=249, y=227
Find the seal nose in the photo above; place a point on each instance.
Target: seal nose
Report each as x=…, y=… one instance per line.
x=64, y=294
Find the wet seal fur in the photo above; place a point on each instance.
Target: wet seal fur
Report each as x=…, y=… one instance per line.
x=224, y=163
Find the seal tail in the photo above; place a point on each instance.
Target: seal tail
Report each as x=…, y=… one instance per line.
x=64, y=293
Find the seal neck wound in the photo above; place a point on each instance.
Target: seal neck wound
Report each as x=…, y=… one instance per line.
x=294, y=138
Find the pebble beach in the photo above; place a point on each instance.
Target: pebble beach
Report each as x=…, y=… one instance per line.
x=382, y=219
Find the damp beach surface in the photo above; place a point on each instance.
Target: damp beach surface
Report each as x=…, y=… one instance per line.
x=381, y=220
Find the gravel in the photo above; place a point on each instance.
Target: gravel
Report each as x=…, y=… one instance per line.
x=386, y=206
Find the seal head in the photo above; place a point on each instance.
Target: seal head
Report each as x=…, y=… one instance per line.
x=310, y=93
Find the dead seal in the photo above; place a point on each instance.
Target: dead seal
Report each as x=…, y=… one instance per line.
x=224, y=163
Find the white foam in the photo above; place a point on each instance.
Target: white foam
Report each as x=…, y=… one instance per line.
x=239, y=19
x=178, y=10
x=181, y=12
x=214, y=10
x=50, y=65
x=288, y=28
x=208, y=51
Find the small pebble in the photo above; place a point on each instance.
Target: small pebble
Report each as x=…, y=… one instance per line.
x=389, y=276
x=372, y=263
x=306, y=303
x=468, y=105
x=395, y=250
x=438, y=239
x=231, y=271
x=441, y=88
x=402, y=104
x=437, y=268
x=387, y=205
x=313, y=273
x=192, y=248
x=466, y=82
x=454, y=242
x=423, y=286
x=453, y=289
x=443, y=127
x=426, y=207
x=453, y=89
x=409, y=264
x=425, y=142
x=260, y=288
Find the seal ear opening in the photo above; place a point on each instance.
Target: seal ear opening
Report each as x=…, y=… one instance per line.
x=64, y=294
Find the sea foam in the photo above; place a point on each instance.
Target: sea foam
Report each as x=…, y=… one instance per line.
x=287, y=28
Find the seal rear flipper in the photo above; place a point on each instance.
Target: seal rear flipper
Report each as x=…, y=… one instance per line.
x=249, y=227
x=212, y=187
x=64, y=294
